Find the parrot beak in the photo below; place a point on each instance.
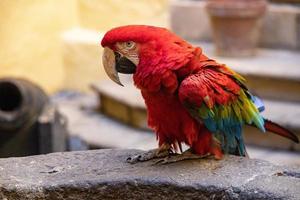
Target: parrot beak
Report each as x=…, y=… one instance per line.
x=114, y=62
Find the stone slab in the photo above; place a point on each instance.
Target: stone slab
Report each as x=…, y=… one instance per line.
x=104, y=174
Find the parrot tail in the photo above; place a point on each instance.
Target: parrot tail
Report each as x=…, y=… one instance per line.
x=279, y=130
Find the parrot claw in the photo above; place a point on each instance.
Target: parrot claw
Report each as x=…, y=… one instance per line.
x=161, y=152
x=187, y=155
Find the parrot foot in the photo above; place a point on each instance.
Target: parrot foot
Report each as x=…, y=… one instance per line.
x=186, y=155
x=163, y=151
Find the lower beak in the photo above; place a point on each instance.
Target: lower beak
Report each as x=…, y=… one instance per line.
x=114, y=62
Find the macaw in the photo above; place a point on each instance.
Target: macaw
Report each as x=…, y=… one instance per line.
x=190, y=98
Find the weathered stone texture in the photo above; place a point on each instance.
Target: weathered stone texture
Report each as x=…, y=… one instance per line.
x=104, y=174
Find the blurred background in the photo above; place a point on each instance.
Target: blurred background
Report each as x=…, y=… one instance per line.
x=55, y=96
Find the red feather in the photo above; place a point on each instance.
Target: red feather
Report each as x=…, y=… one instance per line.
x=170, y=71
x=279, y=130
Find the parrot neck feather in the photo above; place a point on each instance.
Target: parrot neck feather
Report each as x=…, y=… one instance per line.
x=163, y=71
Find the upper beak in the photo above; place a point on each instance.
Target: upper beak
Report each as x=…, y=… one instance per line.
x=114, y=62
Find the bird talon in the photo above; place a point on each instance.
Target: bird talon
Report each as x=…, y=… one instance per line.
x=159, y=161
x=166, y=160
x=172, y=158
x=154, y=153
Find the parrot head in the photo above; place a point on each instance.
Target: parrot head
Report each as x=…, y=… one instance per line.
x=129, y=48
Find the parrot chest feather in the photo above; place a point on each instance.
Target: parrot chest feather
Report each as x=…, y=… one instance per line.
x=170, y=120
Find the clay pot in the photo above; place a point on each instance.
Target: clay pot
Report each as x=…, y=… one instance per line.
x=236, y=25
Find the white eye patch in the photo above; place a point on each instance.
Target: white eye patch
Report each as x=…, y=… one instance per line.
x=126, y=45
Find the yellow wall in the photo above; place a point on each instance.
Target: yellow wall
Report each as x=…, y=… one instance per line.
x=29, y=39
x=30, y=32
x=105, y=14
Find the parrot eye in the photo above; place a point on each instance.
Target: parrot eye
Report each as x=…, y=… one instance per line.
x=129, y=45
x=126, y=46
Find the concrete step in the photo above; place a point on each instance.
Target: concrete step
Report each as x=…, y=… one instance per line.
x=280, y=25
x=272, y=74
x=126, y=105
x=97, y=129
x=100, y=131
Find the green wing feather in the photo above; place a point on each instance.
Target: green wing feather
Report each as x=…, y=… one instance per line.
x=225, y=107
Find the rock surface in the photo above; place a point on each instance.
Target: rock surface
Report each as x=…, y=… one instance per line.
x=104, y=174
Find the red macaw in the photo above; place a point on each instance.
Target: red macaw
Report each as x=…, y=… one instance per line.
x=190, y=98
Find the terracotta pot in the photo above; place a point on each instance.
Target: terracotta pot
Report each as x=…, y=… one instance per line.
x=236, y=25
